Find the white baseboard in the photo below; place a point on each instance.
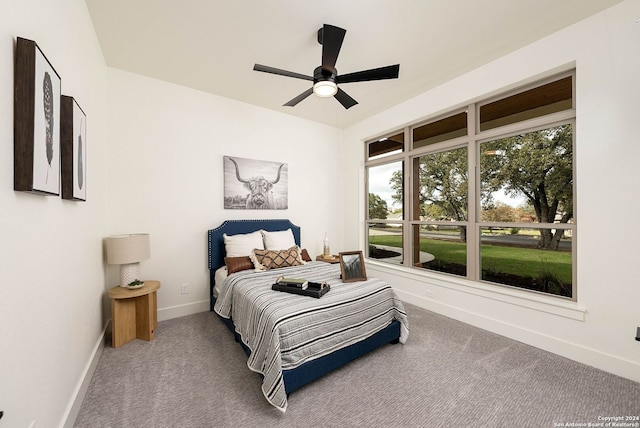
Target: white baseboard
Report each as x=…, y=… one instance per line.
x=183, y=310
x=582, y=354
x=72, y=410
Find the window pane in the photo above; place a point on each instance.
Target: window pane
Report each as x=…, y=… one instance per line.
x=528, y=178
x=385, y=242
x=546, y=99
x=385, y=191
x=441, y=186
x=515, y=257
x=440, y=248
x=386, y=146
x=441, y=130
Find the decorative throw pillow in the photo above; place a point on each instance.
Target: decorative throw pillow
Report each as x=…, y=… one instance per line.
x=242, y=244
x=274, y=259
x=236, y=264
x=305, y=255
x=278, y=240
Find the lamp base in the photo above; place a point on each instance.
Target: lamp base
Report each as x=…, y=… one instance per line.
x=129, y=273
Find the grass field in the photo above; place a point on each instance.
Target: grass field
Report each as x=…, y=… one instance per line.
x=525, y=262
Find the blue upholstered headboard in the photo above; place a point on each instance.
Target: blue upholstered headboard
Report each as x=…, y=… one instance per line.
x=233, y=227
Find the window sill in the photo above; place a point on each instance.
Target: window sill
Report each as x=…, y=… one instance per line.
x=530, y=300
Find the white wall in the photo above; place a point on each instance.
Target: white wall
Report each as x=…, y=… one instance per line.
x=52, y=279
x=599, y=329
x=166, y=145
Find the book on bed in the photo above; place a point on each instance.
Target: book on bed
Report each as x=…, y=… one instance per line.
x=313, y=289
x=292, y=282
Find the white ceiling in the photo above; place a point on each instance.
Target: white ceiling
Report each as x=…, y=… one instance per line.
x=212, y=45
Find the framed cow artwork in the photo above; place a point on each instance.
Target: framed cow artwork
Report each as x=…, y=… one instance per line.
x=251, y=184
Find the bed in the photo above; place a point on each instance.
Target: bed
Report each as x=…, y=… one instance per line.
x=292, y=340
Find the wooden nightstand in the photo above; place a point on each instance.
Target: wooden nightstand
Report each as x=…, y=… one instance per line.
x=134, y=313
x=333, y=259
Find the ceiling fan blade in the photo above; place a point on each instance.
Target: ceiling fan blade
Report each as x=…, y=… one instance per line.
x=299, y=98
x=388, y=72
x=280, y=72
x=345, y=99
x=332, y=38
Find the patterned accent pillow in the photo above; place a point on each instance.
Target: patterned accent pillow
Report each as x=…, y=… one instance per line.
x=274, y=259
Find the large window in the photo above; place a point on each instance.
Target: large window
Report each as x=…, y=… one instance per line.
x=485, y=193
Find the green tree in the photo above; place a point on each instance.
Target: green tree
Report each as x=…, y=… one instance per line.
x=432, y=212
x=499, y=212
x=377, y=207
x=443, y=187
x=539, y=166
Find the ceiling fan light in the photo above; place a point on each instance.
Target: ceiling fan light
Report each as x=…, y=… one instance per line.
x=325, y=88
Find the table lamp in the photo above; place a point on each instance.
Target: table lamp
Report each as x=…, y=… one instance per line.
x=128, y=251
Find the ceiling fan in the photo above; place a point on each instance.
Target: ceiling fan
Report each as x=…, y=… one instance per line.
x=325, y=78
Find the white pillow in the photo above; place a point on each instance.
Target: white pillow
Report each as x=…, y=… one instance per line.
x=242, y=244
x=278, y=240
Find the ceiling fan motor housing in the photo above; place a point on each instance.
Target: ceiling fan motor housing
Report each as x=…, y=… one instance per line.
x=324, y=82
x=319, y=74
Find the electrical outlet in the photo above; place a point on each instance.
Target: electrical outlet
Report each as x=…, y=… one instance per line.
x=184, y=288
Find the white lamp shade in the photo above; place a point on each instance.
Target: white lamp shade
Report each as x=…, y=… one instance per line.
x=125, y=249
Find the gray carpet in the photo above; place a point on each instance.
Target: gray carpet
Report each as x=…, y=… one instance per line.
x=448, y=374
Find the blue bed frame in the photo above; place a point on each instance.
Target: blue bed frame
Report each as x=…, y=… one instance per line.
x=312, y=370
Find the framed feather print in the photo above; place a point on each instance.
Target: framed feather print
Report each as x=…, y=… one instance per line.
x=73, y=142
x=36, y=140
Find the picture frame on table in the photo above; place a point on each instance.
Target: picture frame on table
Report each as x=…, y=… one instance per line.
x=36, y=142
x=352, y=266
x=73, y=150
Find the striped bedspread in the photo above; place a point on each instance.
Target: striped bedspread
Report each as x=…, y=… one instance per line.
x=285, y=330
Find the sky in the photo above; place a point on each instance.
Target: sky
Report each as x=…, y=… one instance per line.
x=379, y=177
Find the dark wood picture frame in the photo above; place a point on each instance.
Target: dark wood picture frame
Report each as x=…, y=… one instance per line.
x=73, y=141
x=36, y=113
x=352, y=266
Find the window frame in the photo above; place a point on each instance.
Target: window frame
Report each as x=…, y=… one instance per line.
x=473, y=141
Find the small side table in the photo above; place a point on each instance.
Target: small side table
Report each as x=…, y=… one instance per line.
x=134, y=313
x=332, y=259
